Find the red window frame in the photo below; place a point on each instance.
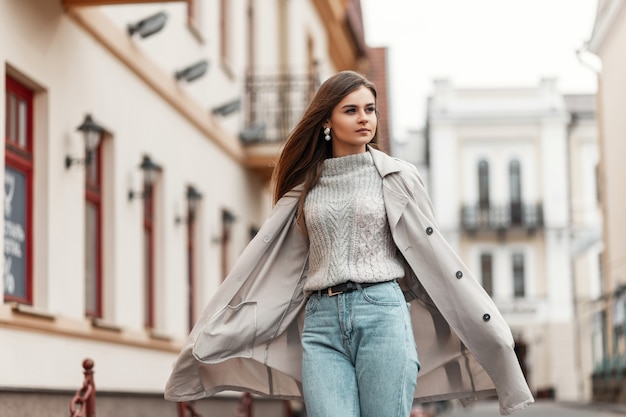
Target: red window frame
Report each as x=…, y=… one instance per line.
x=148, y=230
x=93, y=196
x=21, y=158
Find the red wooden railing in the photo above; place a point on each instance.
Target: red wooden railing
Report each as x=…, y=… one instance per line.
x=84, y=402
x=185, y=407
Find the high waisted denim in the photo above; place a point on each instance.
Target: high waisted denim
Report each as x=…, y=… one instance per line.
x=359, y=355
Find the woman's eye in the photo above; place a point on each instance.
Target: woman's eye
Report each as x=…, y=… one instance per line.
x=371, y=109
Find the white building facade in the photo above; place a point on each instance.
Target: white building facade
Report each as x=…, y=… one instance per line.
x=513, y=182
x=111, y=254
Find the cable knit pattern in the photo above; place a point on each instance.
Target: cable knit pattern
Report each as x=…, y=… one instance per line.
x=349, y=236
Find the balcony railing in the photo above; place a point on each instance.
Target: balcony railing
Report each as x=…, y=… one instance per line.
x=274, y=104
x=502, y=217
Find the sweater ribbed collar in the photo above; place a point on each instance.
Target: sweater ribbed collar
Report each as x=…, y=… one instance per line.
x=346, y=164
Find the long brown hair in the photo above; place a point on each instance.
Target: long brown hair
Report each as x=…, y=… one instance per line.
x=305, y=150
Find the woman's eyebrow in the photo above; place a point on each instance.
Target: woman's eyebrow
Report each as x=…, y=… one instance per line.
x=354, y=105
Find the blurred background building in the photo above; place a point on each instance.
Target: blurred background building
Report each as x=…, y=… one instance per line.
x=513, y=179
x=608, y=41
x=139, y=144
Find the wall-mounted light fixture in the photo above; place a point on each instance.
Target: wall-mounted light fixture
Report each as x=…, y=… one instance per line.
x=92, y=133
x=228, y=219
x=227, y=108
x=254, y=133
x=192, y=72
x=193, y=197
x=149, y=169
x=148, y=26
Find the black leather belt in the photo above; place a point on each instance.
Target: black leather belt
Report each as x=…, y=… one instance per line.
x=344, y=287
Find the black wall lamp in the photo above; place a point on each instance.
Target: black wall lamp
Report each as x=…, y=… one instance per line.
x=92, y=133
x=149, y=169
x=227, y=108
x=253, y=133
x=148, y=26
x=192, y=72
x=193, y=197
x=228, y=219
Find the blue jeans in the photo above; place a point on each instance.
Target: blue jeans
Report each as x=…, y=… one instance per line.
x=359, y=355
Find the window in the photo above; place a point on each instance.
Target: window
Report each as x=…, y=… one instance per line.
x=601, y=272
x=519, y=289
x=227, y=223
x=93, y=235
x=191, y=256
x=483, y=185
x=192, y=10
x=148, y=242
x=515, y=186
x=250, y=27
x=224, y=32
x=486, y=271
x=18, y=194
x=596, y=173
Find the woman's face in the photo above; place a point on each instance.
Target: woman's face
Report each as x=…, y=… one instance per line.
x=353, y=123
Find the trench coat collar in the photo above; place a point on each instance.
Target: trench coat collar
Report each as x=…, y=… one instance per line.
x=384, y=163
x=395, y=201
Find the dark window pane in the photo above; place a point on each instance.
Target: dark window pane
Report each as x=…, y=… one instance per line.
x=92, y=239
x=483, y=184
x=519, y=289
x=486, y=268
x=15, y=233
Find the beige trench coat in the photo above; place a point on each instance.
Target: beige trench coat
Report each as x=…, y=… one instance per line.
x=248, y=338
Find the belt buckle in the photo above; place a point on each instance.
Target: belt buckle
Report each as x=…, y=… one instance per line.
x=331, y=293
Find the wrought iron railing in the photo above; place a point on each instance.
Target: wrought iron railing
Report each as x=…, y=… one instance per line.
x=274, y=104
x=502, y=217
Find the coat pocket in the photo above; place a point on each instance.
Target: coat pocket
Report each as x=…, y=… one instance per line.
x=230, y=333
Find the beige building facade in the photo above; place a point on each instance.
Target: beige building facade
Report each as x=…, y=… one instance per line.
x=512, y=177
x=112, y=251
x=608, y=41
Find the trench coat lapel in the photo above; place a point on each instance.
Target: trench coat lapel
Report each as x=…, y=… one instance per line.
x=395, y=202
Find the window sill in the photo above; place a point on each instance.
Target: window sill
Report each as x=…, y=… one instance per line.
x=158, y=335
x=30, y=311
x=99, y=323
x=28, y=319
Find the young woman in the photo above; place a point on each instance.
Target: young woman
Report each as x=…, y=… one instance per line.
x=316, y=306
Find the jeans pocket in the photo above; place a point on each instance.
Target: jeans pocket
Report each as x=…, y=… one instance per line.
x=311, y=305
x=384, y=294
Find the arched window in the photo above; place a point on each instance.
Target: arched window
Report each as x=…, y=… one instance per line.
x=483, y=185
x=515, y=186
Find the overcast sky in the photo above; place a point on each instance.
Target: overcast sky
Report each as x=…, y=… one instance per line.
x=477, y=43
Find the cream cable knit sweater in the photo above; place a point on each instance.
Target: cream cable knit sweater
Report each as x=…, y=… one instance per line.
x=349, y=236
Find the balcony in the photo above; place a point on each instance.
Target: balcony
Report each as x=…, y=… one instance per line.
x=273, y=106
x=502, y=218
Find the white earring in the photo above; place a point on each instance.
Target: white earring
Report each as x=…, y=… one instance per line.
x=327, y=134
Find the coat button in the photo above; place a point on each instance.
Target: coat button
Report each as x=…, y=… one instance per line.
x=429, y=230
x=266, y=238
x=486, y=317
x=459, y=274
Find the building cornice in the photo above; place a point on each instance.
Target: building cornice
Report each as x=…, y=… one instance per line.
x=606, y=16
x=343, y=48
